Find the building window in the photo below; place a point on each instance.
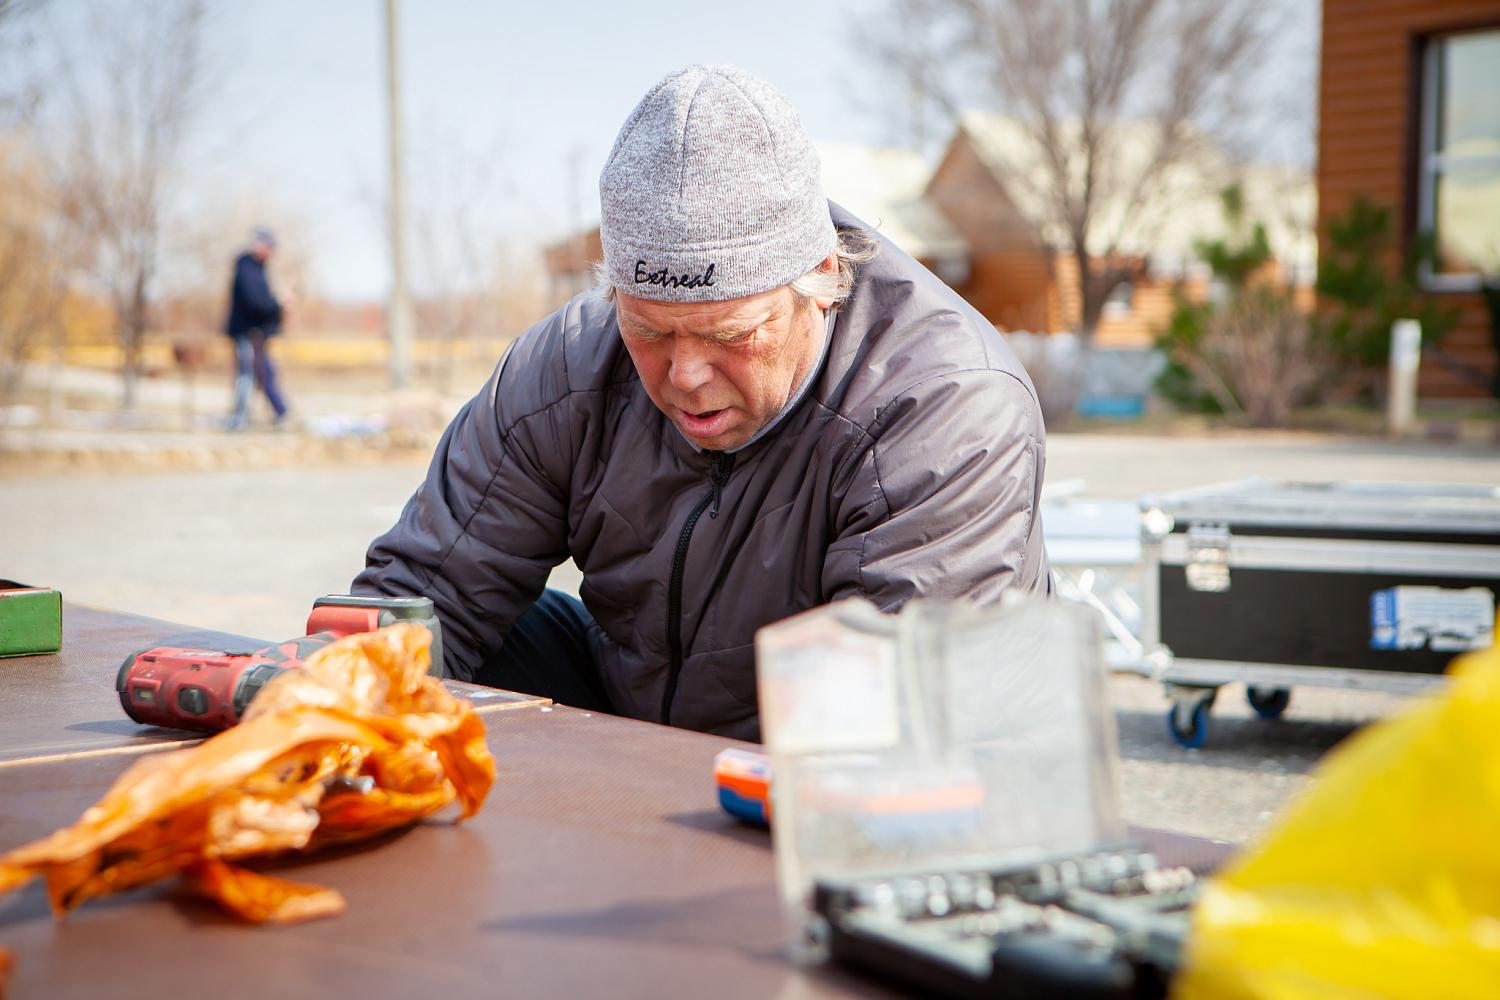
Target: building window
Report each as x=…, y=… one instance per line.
x=953, y=269
x=1119, y=301
x=1460, y=158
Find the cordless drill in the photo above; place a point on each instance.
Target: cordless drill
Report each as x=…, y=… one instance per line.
x=208, y=689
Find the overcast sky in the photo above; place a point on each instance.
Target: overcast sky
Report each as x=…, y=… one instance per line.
x=509, y=107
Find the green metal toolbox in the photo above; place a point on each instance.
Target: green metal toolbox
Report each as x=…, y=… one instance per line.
x=30, y=619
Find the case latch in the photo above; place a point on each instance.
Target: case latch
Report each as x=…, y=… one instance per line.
x=1208, y=557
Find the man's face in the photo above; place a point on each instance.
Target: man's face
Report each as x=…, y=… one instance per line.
x=721, y=370
x=262, y=250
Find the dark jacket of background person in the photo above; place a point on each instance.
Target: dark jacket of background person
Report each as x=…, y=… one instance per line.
x=251, y=304
x=912, y=466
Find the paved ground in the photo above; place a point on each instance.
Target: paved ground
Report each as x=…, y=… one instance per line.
x=247, y=551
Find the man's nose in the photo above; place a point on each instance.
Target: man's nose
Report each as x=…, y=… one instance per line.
x=691, y=366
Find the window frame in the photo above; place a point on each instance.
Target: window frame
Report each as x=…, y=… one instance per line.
x=1430, y=163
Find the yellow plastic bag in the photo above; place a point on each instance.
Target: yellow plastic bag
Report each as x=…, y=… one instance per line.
x=358, y=741
x=1384, y=879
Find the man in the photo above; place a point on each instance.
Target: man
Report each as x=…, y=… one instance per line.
x=759, y=415
x=254, y=318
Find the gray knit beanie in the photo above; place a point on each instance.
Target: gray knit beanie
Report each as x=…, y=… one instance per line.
x=711, y=192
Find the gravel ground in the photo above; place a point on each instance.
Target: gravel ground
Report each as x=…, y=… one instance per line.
x=247, y=551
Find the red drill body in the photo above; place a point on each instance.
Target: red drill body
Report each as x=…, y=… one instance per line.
x=209, y=689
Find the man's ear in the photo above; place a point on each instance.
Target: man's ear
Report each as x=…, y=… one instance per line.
x=830, y=264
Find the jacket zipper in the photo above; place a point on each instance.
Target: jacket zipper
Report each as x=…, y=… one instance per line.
x=718, y=474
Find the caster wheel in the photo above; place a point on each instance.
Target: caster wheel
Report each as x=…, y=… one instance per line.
x=1188, y=725
x=1269, y=703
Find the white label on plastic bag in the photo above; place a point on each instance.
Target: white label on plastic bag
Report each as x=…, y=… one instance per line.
x=1437, y=618
x=830, y=693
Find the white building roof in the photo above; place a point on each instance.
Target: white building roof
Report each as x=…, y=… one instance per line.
x=1164, y=223
x=885, y=187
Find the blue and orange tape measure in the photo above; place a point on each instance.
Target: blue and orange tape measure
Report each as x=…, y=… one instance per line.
x=744, y=780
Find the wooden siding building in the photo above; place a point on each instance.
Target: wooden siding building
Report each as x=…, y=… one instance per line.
x=1409, y=116
x=1021, y=276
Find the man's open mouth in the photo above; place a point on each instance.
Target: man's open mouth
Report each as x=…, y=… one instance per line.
x=704, y=423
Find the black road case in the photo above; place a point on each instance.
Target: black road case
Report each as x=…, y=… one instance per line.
x=1279, y=584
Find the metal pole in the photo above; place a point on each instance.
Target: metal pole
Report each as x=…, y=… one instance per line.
x=399, y=319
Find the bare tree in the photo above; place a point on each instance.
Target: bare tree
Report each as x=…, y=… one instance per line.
x=1259, y=357
x=1080, y=79
x=458, y=194
x=119, y=120
x=32, y=279
x=18, y=92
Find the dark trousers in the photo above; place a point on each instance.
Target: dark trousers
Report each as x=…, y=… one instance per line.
x=547, y=653
x=252, y=366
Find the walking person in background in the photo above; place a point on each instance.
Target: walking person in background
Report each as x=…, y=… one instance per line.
x=254, y=318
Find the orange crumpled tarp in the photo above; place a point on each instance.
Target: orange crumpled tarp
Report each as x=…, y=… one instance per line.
x=360, y=740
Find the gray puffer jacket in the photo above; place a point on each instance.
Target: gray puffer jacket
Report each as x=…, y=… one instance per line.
x=911, y=466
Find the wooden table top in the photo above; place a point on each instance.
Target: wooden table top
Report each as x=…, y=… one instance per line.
x=64, y=704
x=600, y=865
